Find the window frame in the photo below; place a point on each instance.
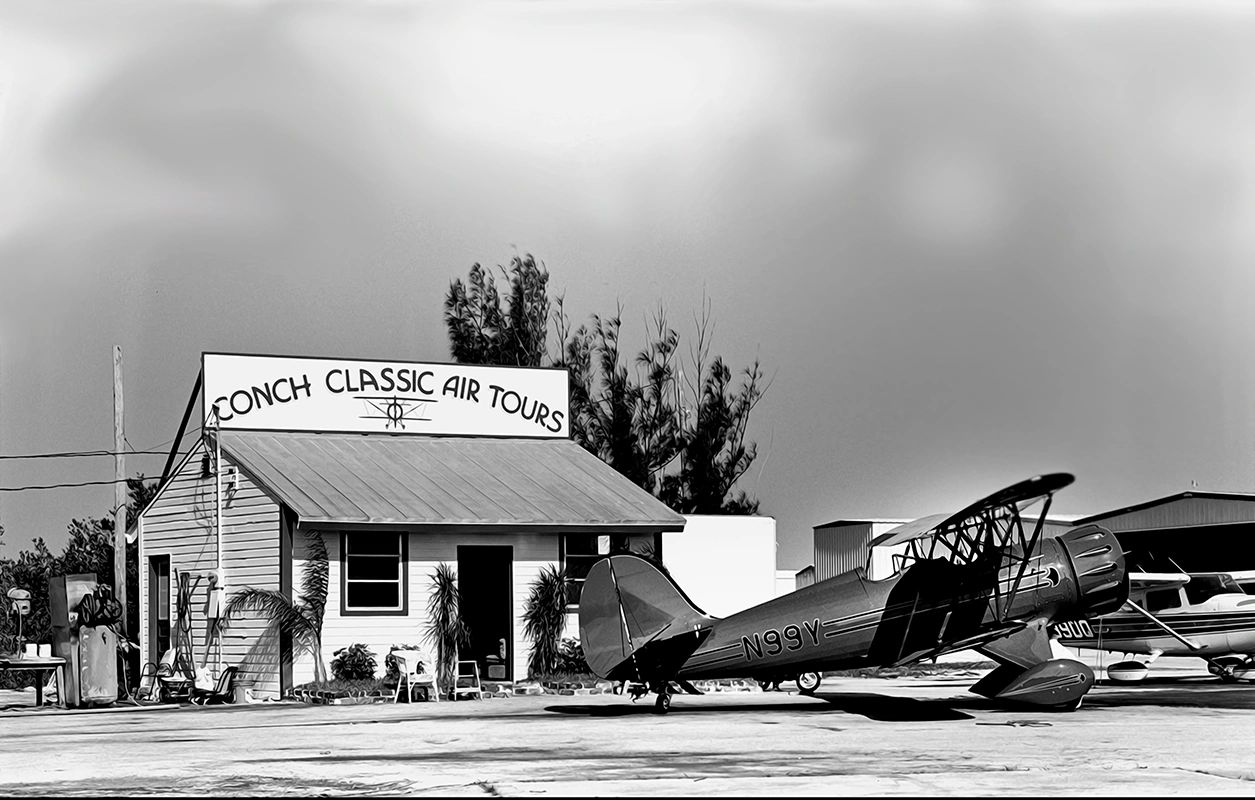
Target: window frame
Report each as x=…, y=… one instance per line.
x=403, y=584
x=564, y=555
x=615, y=542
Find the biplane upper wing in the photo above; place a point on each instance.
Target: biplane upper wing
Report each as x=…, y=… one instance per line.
x=1020, y=495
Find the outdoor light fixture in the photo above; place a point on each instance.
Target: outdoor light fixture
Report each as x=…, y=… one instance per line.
x=20, y=604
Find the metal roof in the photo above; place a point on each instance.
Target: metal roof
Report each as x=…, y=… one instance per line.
x=1181, y=510
x=445, y=481
x=837, y=523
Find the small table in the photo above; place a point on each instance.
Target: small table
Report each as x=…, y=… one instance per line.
x=40, y=665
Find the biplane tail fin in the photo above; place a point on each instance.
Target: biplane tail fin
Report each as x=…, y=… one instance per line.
x=635, y=621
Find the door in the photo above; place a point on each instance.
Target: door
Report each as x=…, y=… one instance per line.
x=158, y=607
x=486, y=585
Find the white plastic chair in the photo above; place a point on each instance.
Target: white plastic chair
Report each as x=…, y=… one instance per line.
x=409, y=662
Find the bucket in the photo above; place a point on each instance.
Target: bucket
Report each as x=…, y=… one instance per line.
x=243, y=691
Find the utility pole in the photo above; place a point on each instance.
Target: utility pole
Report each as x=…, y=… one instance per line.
x=119, y=490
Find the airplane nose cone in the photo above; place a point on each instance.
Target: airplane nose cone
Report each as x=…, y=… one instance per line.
x=1102, y=581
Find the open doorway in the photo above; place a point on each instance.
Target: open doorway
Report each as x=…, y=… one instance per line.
x=486, y=581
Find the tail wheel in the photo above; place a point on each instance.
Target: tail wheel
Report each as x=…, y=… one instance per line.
x=808, y=682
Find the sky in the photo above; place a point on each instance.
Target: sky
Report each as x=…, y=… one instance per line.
x=970, y=242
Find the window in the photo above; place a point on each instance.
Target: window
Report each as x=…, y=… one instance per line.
x=581, y=550
x=1162, y=599
x=372, y=573
x=1202, y=588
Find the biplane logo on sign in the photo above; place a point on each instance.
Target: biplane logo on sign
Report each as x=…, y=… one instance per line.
x=316, y=394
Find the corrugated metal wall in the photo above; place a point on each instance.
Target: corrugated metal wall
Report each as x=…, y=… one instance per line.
x=804, y=577
x=840, y=548
x=1183, y=513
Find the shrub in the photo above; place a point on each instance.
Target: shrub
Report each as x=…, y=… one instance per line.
x=570, y=659
x=544, y=616
x=353, y=663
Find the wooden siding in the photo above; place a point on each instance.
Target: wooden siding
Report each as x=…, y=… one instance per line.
x=181, y=524
x=532, y=552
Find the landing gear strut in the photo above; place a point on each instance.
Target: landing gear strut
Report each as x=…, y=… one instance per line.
x=1225, y=667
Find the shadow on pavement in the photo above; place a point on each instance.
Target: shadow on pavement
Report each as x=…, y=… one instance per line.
x=882, y=708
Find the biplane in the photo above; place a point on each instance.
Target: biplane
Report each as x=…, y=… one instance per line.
x=1202, y=614
x=981, y=578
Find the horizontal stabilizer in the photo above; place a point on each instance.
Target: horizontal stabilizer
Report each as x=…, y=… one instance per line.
x=635, y=622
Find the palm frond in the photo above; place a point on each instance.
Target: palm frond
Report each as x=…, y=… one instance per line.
x=287, y=617
x=446, y=631
x=315, y=578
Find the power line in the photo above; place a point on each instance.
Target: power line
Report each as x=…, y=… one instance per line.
x=69, y=485
x=171, y=441
x=85, y=454
x=151, y=451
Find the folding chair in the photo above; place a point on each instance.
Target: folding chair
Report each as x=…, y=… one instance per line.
x=221, y=693
x=416, y=669
x=174, y=678
x=466, y=684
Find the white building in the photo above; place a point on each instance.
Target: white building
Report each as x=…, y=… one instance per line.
x=724, y=564
x=395, y=468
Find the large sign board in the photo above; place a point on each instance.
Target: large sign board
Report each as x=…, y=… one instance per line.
x=293, y=393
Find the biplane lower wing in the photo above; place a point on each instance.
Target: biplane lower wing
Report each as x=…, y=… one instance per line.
x=1028, y=672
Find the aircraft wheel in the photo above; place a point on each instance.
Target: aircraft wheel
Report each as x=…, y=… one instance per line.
x=808, y=682
x=1224, y=668
x=1072, y=706
x=663, y=704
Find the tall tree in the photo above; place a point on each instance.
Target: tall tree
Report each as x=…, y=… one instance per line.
x=683, y=439
x=624, y=417
x=481, y=331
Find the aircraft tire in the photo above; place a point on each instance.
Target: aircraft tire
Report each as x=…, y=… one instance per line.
x=663, y=704
x=1072, y=706
x=1224, y=668
x=808, y=683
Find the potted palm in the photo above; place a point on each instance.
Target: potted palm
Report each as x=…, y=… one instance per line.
x=446, y=631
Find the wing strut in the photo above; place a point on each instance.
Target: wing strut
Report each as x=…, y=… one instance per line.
x=1192, y=645
x=1027, y=550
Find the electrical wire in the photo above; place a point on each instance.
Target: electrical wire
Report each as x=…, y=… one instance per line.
x=85, y=454
x=148, y=451
x=69, y=485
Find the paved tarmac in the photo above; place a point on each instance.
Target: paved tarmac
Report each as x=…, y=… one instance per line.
x=1180, y=733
